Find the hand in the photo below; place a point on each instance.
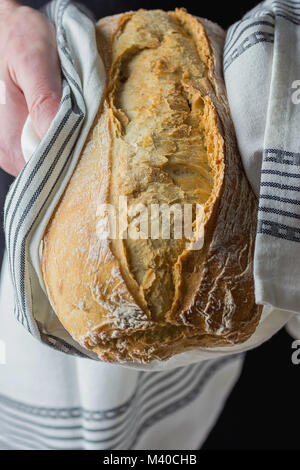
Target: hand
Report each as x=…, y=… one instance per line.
x=29, y=68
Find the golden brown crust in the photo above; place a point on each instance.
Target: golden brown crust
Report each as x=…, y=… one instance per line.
x=163, y=134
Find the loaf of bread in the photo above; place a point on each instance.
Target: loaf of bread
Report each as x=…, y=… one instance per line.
x=163, y=135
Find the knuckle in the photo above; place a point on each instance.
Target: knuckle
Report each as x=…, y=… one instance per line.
x=41, y=102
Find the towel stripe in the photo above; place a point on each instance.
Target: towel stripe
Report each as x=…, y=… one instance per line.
x=272, y=9
x=229, y=44
x=176, y=390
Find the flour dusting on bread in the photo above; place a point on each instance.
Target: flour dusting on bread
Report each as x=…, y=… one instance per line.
x=163, y=136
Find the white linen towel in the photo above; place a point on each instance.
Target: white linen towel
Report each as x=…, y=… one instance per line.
x=262, y=73
x=52, y=400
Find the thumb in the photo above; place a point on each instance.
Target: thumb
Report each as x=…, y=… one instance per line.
x=38, y=75
x=42, y=107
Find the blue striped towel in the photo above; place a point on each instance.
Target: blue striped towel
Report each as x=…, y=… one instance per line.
x=262, y=74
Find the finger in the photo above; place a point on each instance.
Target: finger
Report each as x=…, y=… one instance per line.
x=13, y=114
x=37, y=73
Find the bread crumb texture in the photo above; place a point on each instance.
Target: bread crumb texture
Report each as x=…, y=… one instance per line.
x=163, y=135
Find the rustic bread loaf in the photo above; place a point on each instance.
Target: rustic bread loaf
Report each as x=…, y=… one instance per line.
x=163, y=135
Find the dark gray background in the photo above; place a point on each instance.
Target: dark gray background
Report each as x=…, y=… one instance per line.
x=262, y=412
